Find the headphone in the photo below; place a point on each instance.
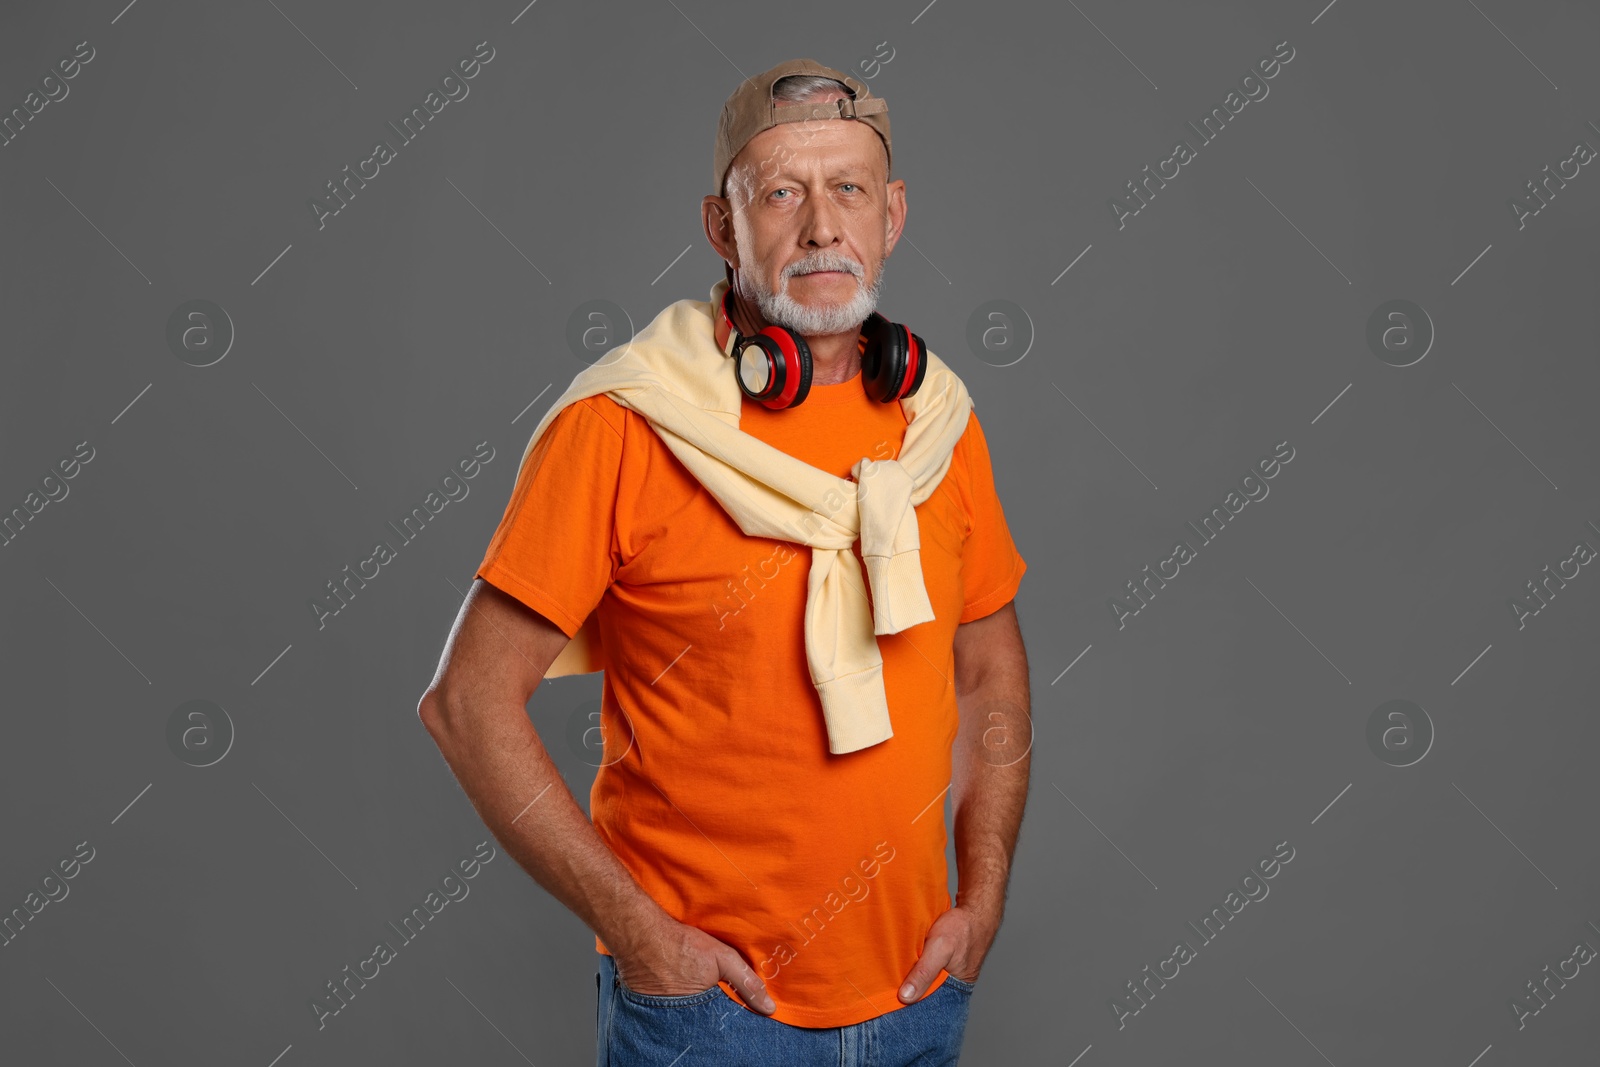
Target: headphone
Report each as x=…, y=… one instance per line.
x=774, y=366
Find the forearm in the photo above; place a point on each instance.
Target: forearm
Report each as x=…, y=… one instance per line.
x=990, y=786
x=502, y=766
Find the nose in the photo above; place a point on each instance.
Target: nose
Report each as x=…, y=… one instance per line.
x=821, y=225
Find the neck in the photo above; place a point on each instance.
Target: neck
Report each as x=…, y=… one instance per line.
x=835, y=357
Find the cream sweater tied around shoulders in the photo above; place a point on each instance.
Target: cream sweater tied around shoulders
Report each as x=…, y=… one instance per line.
x=675, y=375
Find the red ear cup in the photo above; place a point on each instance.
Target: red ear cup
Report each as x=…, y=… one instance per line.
x=919, y=367
x=774, y=368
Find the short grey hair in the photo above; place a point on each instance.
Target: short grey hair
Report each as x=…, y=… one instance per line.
x=799, y=88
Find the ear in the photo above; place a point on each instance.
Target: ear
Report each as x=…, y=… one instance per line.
x=895, y=216
x=716, y=217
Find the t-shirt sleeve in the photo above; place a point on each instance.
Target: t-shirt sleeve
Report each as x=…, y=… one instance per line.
x=556, y=547
x=991, y=566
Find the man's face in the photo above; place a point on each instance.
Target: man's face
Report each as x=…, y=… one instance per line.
x=814, y=219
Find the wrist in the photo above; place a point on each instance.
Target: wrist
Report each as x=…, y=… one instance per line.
x=986, y=903
x=631, y=924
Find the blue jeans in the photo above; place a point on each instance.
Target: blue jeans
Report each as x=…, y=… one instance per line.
x=711, y=1029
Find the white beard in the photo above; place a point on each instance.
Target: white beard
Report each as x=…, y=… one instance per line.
x=781, y=309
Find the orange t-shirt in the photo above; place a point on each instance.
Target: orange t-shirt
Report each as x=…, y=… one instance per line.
x=717, y=790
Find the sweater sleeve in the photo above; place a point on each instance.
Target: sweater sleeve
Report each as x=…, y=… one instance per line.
x=556, y=548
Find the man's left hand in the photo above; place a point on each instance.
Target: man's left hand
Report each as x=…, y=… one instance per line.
x=957, y=942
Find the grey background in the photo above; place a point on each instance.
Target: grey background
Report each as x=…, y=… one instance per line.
x=1228, y=315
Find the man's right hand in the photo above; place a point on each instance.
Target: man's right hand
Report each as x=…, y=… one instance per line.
x=672, y=959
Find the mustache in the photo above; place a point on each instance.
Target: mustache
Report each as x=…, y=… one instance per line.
x=823, y=261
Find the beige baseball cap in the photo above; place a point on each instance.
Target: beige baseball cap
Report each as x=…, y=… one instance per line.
x=750, y=110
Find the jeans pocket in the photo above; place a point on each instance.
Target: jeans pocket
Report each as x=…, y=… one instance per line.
x=655, y=1000
x=960, y=984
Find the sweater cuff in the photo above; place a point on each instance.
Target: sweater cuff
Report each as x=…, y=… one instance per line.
x=899, y=596
x=855, y=710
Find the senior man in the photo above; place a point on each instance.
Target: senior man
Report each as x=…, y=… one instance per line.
x=771, y=519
